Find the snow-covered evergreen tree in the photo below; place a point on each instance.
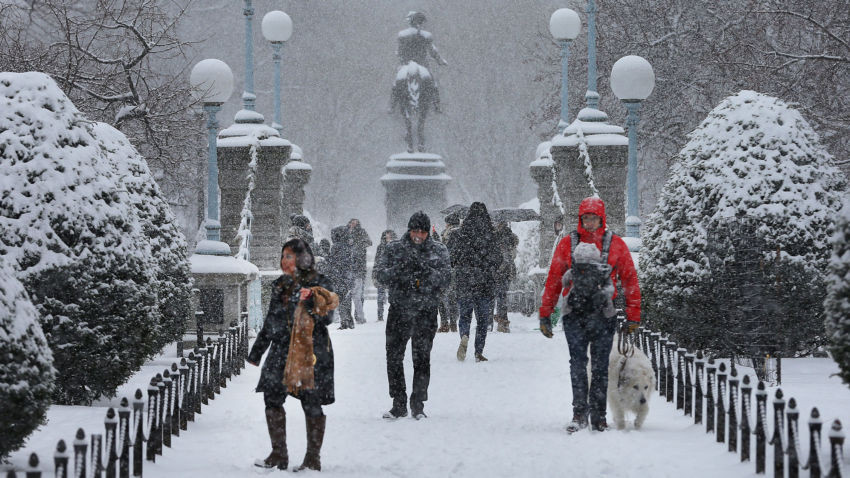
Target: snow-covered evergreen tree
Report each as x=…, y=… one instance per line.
x=88, y=236
x=166, y=243
x=734, y=256
x=837, y=302
x=26, y=365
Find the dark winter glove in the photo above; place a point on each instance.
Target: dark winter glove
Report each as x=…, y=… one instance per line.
x=629, y=327
x=546, y=327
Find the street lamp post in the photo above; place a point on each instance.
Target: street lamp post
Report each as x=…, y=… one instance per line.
x=277, y=28
x=564, y=25
x=632, y=80
x=248, y=97
x=212, y=81
x=591, y=96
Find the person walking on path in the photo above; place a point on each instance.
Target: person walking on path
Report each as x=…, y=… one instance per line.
x=589, y=318
x=448, y=301
x=507, y=243
x=415, y=269
x=359, y=241
x=386, y=237
x=340, y=265
x=475, y=261
x=299, y=289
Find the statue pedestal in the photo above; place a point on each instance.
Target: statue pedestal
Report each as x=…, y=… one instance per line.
x=413, y=182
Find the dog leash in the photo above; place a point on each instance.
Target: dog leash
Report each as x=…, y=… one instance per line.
x=625, y=344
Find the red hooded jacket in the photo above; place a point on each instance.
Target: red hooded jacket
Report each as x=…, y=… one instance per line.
x=619, y=257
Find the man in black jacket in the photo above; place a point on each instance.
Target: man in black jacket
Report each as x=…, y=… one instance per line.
x=415, y=269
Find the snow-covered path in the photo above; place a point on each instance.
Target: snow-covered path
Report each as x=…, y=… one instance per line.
x=505, y=417
x=502, y=418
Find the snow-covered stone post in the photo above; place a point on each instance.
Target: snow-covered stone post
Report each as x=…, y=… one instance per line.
x=541, y=170
x=413, y=182
x=296, y=175
x=632, y=80
x=277, y=28
x=590, y=159
x=564, y=25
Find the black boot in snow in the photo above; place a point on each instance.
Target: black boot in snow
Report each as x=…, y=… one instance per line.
x=398, y=410
x=315, y=437
x=276, y=422
x=579, y=422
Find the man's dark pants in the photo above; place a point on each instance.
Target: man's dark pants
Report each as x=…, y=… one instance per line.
x=596, y=331
x=419, y=327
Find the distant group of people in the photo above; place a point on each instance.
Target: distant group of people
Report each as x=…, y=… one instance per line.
x=420, y=273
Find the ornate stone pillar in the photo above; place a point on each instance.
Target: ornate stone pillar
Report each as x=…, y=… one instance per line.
x=541, y=173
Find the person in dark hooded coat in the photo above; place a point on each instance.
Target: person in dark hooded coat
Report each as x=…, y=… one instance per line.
x=340, y=266
x=415, y=269
x=287, y=291
x=475, y=263
x=386, y=237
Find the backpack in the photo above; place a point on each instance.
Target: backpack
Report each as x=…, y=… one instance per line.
x=592, y=287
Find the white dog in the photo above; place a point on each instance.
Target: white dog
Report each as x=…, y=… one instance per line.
x=631, y=383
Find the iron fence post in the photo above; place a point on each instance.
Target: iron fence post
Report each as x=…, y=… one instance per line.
x=813, y=463
x=746, y=394
x=711, y=369
x=836, y=452
x=776, y=439
x=720, y=430
x=792, y=450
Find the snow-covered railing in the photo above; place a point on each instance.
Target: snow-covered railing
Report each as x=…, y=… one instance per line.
x=687, y=378
x=138, y=434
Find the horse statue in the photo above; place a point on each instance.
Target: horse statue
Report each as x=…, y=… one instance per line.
x=415, y=92
x=414, y=95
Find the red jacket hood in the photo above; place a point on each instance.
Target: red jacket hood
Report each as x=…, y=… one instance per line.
x=591, y=205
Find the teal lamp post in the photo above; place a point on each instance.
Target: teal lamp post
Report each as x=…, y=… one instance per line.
x=632, y=80
x=564, y=25
x=277, y=28
x=212, y=81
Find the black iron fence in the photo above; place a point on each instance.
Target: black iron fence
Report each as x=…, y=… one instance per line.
x=713, y=394
x=142, y=428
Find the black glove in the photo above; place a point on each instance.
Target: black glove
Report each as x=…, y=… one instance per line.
x=546, y=327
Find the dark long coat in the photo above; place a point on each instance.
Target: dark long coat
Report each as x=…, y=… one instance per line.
x=414, y=274
x=275, y=336
x=475, y=255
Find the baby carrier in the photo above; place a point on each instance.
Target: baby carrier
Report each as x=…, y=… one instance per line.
x=592, y=289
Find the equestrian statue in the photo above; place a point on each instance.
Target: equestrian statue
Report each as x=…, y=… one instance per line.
x=415, y=90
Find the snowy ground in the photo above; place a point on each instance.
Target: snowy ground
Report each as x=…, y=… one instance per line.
x=504, y=417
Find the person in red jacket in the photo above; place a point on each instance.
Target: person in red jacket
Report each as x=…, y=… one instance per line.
x=590, y=322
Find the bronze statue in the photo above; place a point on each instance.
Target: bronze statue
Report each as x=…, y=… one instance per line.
x=415, y=90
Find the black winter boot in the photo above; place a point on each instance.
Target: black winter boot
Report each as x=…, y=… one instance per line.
x=315, y=437
x=579, y=422
x=276, y=422
x=398, y=410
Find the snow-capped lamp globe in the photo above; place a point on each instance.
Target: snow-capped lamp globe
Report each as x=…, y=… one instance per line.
x=632, y=80
x=212, y=82
x=277, y=28
x=564, y=25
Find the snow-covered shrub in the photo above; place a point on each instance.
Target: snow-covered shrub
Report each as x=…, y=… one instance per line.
x=735, y=254
x=26, y=365
x=837, y=302
x=89, y=236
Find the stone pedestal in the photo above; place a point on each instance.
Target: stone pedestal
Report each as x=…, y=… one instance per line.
x=296, y=175
x=413, y=182
x=221, y=283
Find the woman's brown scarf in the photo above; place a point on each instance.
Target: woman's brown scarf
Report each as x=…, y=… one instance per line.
x=298, y=373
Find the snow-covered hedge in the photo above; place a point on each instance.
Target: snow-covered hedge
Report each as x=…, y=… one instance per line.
x=90, y=237
x=734, y=256
x=26, y=365
x=837, y=303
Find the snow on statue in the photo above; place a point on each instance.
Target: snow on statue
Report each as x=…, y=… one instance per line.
x=736, y=250
x=90, y=237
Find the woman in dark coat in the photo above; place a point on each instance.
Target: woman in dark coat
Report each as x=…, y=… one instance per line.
x=293, y=286
x=386, y=237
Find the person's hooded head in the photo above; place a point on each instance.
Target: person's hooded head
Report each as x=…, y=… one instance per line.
x=388, y=236
x=301, y=221
x=591, y=217
x=477, y=220
x=304, y=260
x=338, y=234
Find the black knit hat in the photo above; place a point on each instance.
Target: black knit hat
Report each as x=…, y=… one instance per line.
x=419, y=220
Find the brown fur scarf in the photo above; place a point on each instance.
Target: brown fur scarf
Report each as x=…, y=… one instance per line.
x=298, y=373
